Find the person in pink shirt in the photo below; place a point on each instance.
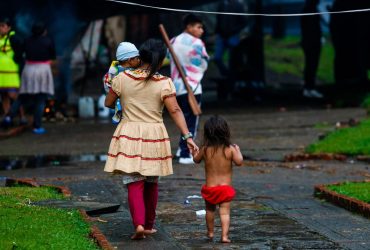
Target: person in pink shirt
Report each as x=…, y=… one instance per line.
x=193, y=57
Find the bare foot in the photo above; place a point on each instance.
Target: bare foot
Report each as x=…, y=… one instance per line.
x=210, y=236
x=225, y=240
x=150, y=231
x=139, y=233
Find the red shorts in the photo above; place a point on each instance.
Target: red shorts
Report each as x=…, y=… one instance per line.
x=218, y=194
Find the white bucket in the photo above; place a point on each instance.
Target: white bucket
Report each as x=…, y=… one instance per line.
x=86, y=107
x=103, y=112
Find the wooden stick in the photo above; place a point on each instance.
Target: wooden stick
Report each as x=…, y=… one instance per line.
x=191, y=98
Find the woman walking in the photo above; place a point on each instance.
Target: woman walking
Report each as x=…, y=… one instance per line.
x=140, y=148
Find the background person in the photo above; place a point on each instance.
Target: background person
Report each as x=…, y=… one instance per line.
x=10, y=57
x=37, y=79
x=228, y=28
x=311, y=44
x=192, y=55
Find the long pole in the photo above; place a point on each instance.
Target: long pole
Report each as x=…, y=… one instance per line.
x=192, y=101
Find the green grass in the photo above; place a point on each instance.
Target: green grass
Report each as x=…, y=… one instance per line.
x=25, y=226
x=349, y=141
x=358, y=190
x=366, y=102
x=22, y=193
x=285, y=56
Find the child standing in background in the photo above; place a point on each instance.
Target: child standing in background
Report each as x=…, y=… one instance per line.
x=127, y=56
x=192, y=55
x=218, y=154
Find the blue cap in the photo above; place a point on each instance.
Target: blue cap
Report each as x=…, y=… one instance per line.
x=126, y=51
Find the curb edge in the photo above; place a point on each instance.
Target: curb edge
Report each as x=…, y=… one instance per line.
x=351, y=204
x=95, y=233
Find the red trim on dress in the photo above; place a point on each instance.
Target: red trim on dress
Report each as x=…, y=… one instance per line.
x=140, y=139
x=140, y=156
x=143, y=78
x=170, y=95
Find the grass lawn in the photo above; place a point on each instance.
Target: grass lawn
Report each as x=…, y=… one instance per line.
x=358, y=190
x=285, y=56
x=349, y=141
x=26, y=226
x=366, y=102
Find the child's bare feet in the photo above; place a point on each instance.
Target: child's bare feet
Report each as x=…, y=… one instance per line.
x=225, y=240
x=139, y=233
x=210, y=235
x=150, y=231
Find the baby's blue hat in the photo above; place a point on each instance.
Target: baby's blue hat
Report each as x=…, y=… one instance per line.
x=126, y=51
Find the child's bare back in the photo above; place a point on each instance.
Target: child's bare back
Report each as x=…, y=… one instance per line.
x=218, y=164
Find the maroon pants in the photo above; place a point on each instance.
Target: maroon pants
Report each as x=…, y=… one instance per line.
x=142, y=200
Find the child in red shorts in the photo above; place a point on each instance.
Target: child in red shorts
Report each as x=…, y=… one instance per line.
x=218, y=154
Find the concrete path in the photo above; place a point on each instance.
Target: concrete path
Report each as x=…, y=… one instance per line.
x=274, y=207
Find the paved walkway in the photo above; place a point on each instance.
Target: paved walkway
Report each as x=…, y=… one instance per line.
x=274, y=207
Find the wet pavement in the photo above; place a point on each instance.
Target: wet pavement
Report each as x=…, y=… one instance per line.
x=274, y=207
